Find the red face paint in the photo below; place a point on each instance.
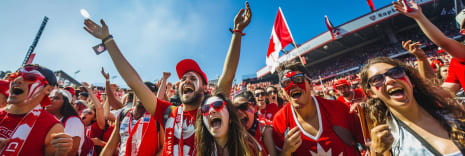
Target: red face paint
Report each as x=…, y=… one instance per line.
x=291, y=85
x=404, y=78
x=290, y=74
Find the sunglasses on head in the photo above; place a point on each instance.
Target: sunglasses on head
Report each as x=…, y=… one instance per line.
x=244, y=106
x=297, y=78
x=217, y=105
x=379, y=79
x=31, y=77
x=272, y=92
x=261, y=93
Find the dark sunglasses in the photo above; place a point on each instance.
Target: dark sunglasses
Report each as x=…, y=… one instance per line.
x=31, y=77
x=218, y=105
x=273, y=92
x=261, y=93
x=297, y=78
x=244, y=106
x=379, y=79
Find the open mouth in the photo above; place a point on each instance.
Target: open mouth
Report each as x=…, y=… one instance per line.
x=188, y=89
x=17, y=91
x=396, y=92
x=215, y=122
x=244, y=121
x=296, y=94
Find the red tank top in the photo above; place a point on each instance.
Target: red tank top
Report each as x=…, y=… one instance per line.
x=35, y=142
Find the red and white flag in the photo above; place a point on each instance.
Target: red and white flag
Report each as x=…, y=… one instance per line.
x=280, y=37
x=31, y=58
x=336, y=33
x=371, y=5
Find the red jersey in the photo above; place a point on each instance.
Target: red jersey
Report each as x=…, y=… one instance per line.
x=258, y=128
x=325, y=142
x=96, y=132
x=269, y=111
x=34, y=144
x=358, y=96
x=456, y=72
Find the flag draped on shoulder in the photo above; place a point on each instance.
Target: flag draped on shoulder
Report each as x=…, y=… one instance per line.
x=280, y=37
x=336, y=33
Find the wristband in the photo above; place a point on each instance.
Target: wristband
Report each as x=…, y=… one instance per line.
x=107, y=39
x=235, y=30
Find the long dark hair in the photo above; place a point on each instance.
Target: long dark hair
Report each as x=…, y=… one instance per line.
x=67, y=109
x=436, y=101
x=239, y=141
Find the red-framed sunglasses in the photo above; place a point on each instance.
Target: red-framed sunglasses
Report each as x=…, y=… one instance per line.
x=31, y=77
x=217, y=105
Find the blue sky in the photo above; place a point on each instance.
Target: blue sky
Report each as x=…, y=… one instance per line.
x=154, y=35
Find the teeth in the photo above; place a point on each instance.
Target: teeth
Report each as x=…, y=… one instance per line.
x=394, y=90
x=294, y=93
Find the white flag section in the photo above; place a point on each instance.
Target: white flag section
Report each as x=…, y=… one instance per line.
x=280, y=37
x=336, y=33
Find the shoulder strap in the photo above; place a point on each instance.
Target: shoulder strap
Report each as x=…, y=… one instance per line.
x=423, y=141
x=167, y=113
x=123, y=114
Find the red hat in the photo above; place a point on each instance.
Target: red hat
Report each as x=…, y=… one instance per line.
x=71, y=90
x=341, y=82
x=4, y=86
x=188, y=65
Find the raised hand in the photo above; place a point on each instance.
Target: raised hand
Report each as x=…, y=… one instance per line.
x=62, y=142
x=292, y=141
x=243, y=19
x=382, y=138
x=415, y=9
x=96, y=30
x=106, y=75
x=414, y=48
x=166, y=75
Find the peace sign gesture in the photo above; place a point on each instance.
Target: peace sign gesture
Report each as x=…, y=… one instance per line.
x=243, y=19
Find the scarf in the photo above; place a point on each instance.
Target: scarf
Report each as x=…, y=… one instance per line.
x=134, y=144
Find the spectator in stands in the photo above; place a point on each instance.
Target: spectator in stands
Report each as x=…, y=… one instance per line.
x=273, y=95
x=29, y=89
x=4, y=86
x=310, y=125
x=219, y=131
x=62, y=109
x=264, y=109
x=83, y=96
x=455, y=79
x=348, y=95
x=257, y=126
x=409, y=116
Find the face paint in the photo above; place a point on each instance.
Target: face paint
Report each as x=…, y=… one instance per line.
x=406, y=81
x=292, y=84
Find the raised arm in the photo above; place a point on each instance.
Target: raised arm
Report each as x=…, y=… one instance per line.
x=241, y=21
x=112, y=101
x=423, y=64
x=97, y=104
x=127, y=72
x=453, y=47
x=162, y=89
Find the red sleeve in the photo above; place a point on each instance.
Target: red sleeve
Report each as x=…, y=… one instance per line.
x=342, y=117
x=95, y=130
x=279, y=128
x=451, y=75
x=160, y=110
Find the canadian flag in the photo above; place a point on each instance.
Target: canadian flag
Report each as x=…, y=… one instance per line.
x=280, y=37
x=31, y=58
x=336, y=33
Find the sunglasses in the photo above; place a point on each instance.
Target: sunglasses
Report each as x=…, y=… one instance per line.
x=218, y=106
x=31, y=77
x=261, y=93
x=379, y=79
x=243, y=107
x=272, y=92
x=297, y=78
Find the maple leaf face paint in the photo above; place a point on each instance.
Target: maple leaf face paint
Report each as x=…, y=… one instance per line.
x=215, y=116
x=292, y=79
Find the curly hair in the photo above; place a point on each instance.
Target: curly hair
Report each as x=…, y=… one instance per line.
x=436, y=101
x=239, y=141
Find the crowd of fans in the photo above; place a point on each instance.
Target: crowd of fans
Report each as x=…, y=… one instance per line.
x=401, y=106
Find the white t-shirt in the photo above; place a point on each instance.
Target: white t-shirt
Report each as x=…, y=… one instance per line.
x=74, y=127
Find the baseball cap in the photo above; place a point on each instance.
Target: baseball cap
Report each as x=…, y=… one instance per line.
x=70, y=89
x=4, y=86
x=188, y=65
x=341, y=82
x=460, y=18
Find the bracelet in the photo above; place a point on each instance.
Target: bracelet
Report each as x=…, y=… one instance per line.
x=107, y=39
x=235, y=30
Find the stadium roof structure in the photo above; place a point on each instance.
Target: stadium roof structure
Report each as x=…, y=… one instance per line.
x=359, y=32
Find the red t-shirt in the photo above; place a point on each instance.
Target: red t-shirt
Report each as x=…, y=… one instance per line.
x=34, y=144
x=330, y=113
x=269, y=111
x=359, y=95
x=456, y=73
x=96, y=132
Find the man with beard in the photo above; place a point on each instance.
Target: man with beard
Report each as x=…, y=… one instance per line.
x=264, y=109
x=179, y=138
x=26, y=128
x=257, y=126
x=311, y=125
x=348, y=96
